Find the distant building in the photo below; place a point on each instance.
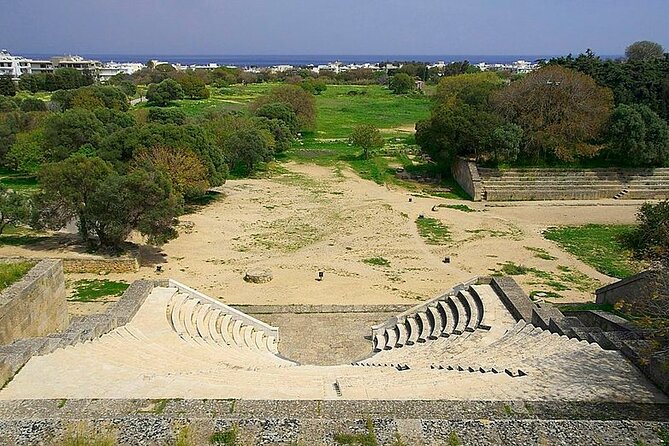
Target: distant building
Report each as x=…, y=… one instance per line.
x=111, y=69
x=15, y=66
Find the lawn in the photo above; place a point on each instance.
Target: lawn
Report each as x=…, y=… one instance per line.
x=599, y=246
x=342, y=107
x=91, y=290
x=18, y=181
x=12, y=272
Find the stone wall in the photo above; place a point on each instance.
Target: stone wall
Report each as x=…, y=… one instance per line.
x=96, y=266
x=466, y=174
x=14, y=356
x=633, y=288
x=35, y=305
x=480, y=423
x=92, y=265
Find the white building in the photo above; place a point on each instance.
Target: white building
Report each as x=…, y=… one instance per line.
x=111, y=69
x=15, y=66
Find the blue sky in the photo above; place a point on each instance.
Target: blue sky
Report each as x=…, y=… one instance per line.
x=488, y=27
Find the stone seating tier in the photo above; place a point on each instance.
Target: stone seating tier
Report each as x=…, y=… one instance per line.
x=561, y=184
x=458, y=311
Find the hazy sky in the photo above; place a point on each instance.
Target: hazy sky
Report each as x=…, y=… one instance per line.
x=487, y=27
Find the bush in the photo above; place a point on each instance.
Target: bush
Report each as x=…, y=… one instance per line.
x=165, y=92
x=650, y=239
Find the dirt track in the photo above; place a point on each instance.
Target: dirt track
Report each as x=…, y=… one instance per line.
x=319, y=219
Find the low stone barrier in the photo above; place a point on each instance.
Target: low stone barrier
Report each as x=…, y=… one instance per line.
x=13, y=356
x=259, y=422
x=97, y=266
x=633, y=288
x=35, y=305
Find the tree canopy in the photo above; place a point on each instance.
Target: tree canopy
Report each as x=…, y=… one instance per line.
x=561, y=111
x=644, y=50
x=165, y=92
x=401, y=83
x=301, y=102
x=367, y=137
x=107, y=205
x=638, y=136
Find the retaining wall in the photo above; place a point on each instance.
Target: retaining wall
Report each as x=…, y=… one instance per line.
x=92, y=265
x=96, y=266
x=632, y=288
x=13, y=356
x=466, y=174
x=35, y=305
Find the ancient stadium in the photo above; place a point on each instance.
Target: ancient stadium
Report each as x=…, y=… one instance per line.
x=442, y=348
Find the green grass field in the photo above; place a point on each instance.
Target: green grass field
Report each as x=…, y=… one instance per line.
x=90, y=290
x=339, y=110
x=18, y=181
x=12, y=272
x=599, y=246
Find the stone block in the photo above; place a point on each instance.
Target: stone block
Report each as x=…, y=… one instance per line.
x=513, y=297
x=34, y=306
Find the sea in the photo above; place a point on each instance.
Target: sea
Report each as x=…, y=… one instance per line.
x=303, y=60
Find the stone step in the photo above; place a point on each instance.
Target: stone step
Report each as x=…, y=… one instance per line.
x=461, y=313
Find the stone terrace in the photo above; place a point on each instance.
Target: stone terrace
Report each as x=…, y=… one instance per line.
x=463, y=345
x=568, y=184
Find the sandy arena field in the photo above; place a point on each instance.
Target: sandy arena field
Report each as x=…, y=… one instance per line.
x=313, y=218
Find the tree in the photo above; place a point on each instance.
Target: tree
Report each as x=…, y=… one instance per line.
x=281, y=134
x=141, y=201
x=7, y=104
x=301, y=102
x=472, y=89
x=248, y=147
x=638, y=137
x=15, y=208
x=650, y=239
x=66, y=79
x=561, y=111
x=33, y=104
x=457, y=129
x=67, y=188
x=31, y=82
x=644, y=50
x=367, y=137
x=184, y=169
x=124, y=83
x=66, y=132
x=401, y=83
x=632, y=82
x=280, y=111
x=119, y=147
x=167, y=115
x=314, y=86
x=27, y=152
x=7, y=86
x=92, y=97
x=193, y=87
x=505, y=142
x=163, y=93
x=107, y=206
